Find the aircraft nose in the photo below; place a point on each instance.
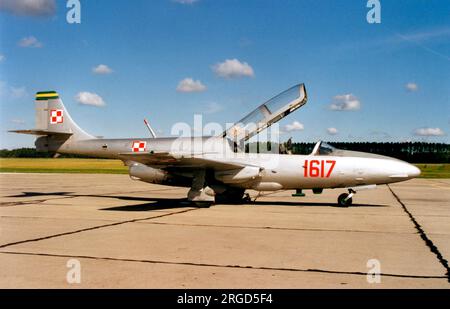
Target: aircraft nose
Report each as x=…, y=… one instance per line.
x=413, y=171
x=404, y=170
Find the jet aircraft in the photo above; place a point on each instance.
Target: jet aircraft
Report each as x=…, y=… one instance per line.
x=218, y=169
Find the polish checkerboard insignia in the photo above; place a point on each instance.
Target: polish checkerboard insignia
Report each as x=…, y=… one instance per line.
x=139, y=146
x=56, y=116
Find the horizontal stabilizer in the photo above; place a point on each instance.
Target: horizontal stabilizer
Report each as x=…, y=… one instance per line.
x=39, y=132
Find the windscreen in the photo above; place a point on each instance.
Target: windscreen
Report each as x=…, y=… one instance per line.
x=326, y=149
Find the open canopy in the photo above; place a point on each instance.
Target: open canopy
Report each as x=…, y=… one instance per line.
x=268, y=113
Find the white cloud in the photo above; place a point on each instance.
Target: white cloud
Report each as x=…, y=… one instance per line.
x=185, y=1
x=332, y=131
x=295, y=126
x=429, y=132
x=419, y=38
x=18, y=121
x=3, y=88
x=411, y=87
x=89, y=98
x=17, y=92
x=345, y=102
x=29, y=7
x=213, y=108
x=190, y=85
x=426, y=35
x=2, y=57
x=381, y=134
x=30, y=41
x=12, y=92
x=233, y=68
x=102, y=69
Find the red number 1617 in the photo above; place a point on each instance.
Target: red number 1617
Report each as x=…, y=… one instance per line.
x=318, y=168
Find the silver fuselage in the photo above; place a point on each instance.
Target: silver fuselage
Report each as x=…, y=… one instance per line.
x=277, y=171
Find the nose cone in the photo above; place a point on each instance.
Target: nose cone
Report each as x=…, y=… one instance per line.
x=413, y=171
x=400, y=170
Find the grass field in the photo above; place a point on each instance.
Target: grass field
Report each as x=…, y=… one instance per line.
x=95, y=166
x=79, y=166
x=434, y=170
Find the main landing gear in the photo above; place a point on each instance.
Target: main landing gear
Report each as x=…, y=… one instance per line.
x=200, y=194
x=345, y=199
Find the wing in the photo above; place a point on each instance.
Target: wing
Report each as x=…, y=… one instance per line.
x=227, y=172
x=166, y=159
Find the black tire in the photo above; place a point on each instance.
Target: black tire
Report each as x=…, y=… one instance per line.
x=246, y=198
x=231, y=196
x=203, y=204
x=342, y=202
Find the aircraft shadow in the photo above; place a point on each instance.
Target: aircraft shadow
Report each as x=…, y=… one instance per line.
x=310, y=204
x=161, y=203
x=153, y=203
x=34, y=194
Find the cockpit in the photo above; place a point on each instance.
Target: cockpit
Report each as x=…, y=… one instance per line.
x=325, y=149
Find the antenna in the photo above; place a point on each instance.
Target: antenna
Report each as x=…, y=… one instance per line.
x=149, y=128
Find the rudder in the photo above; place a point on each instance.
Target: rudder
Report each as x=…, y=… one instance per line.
x=53, y=123
x=52, y=116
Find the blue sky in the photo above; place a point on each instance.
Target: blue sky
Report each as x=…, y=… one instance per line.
x=387, y=81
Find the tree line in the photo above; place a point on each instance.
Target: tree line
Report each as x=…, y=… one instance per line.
x=32, y=153
x=414, y=152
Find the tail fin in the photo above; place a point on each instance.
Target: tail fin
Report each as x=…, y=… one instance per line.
x=53, y=123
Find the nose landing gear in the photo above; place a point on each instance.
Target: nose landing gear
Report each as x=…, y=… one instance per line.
x=345, y=199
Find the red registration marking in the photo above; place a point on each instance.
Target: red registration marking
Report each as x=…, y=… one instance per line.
x=318, y=168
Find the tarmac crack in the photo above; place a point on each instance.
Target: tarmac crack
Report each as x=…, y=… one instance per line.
x=428, y=242
x=270, y=228
x=221, y=265
x=11, y=204
x=92, y=228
